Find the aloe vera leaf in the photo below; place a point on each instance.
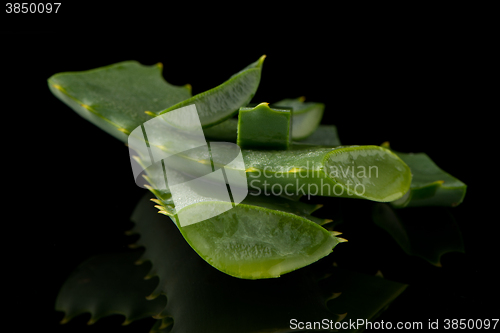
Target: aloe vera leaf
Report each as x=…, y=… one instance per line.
x=280, y=226
x=115, y=97
x=203, y=299
x=362, y=297
x=324, y=135
x=254, y=242
x=425, y=232
x=258, y=238
x=222, y=102
x=367, y=172
x=430, y=185
x=306, y=116
x=262, y=127
x=109, y=284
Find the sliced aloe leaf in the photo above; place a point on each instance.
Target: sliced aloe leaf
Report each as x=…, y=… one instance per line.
x=262, y=127
x=306, y=116
x=425, y=232
x=222, y=102
x=367, y=172
x=324, y=135
x=115, y=97
x=109, y=284
x=252, y=242
x=256, y=239
x=305, y=120
x=430, y=186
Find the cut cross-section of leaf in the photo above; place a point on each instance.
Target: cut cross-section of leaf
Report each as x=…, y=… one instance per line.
x=306, y=116
x=253, y=242
x=222, y=102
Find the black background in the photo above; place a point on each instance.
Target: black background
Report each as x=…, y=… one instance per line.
x=422, y=88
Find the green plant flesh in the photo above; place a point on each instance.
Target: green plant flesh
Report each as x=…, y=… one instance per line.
x=305, y=124
x=263, y=127
x=306, y=116
x=207, y=250
x=223, y=101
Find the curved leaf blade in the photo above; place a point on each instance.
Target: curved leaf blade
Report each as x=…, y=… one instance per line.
x=222, y=102
x=115, y=97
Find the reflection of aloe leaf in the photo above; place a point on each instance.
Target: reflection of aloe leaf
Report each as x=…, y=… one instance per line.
x=164, y=325
x=115, y=97
x=109, y=284
x=430, y=186
x=426, y=232
x=363, y=297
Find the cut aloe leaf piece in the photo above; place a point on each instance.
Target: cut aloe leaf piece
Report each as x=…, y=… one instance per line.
x=306, y=116
x=255, y=239
x=262, y=127
x=115, y=97
x=324, y=135
x=366, y=172
x=222, y=102
x=110, y=284
x=430, y=186
x=305, y=127
x=425, y=232
x=252, y=242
